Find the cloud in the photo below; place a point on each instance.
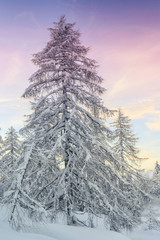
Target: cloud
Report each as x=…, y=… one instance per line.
x=119, y=86
x=148, y=162
x=154, y=123
x=129, y=64
x=141, y=109
x=146, y=109
x=4, y=100
x=28, y=18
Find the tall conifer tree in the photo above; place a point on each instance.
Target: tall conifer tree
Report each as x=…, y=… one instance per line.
x=69, y=167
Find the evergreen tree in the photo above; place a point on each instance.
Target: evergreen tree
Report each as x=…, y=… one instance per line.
x=10, y=152
x=157, y=168
x=21, y=207
x=155, y=181
x=1, y=145
x=152, y=219
x=124, y=144
x=1, y=169
x=66, y=81
x=125, y=140
x=70, y=167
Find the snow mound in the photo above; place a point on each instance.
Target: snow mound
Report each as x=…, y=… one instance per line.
x=6, y=233
x=58, y=232
x=63, y=232
x=145, y=235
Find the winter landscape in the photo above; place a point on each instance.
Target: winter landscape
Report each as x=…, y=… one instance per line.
x=73, y=165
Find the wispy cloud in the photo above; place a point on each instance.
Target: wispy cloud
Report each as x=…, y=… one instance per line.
x=154, y=122
x=148, y=109
x=29, y=17
x=4, y=100
x=149, y=160
x=141, y=109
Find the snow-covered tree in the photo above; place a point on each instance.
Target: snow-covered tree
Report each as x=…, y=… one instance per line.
x=65, y=82
x=125, y=140
x=157, y=168
x=155, y=181
x=10, y=152
x=124, y=144
x=152, y=221
x=70, y=167
x=1, y=146
x=1, y=169
x=21, y=207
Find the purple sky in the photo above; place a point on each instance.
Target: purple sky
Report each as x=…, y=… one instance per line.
x=124, y=37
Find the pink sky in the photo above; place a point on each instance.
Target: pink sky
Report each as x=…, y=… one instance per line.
x=124, y=39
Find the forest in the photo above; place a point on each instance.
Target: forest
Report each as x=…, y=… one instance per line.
x=75, y=161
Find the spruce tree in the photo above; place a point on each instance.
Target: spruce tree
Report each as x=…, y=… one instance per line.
x=1, y=169
x=157, y=168
x=66, y=89
x=1, y=146
x=70, y=167
x=22, y=208
x=10, y=152
x=155, y=181
x=125, y=140
x=124, y=144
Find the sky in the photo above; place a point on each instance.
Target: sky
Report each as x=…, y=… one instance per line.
x=124, y=39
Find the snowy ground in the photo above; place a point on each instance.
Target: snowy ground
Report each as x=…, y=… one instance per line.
x=62, y=232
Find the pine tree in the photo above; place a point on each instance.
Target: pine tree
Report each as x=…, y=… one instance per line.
x=125, y=140
x=21, y=207
x=70, y=167
x=155, y=181
x=11, y=151
x=124, y=144
x=1, y=146
x=157, y=168
x=66, y=81
x=1, y=169
x=152, y=218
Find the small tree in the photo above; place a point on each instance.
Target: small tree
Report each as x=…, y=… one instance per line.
x=124, y=144
x=125, y=140
x=11, y=151
x=157, y=168
x=1, y=169
x=155, y=181
x=152, y=223
x=21, y=207
x=1, y=146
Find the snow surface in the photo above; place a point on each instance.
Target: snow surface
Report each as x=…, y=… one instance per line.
x=63, y=232
x=52, y=231
x=145, y=235
x=6, y=233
